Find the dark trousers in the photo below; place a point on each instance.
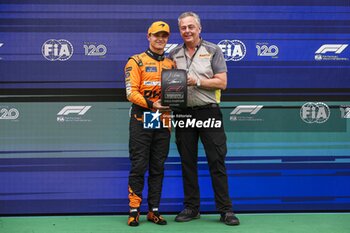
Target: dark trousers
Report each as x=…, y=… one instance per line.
x=148, y=149
x=214, y=142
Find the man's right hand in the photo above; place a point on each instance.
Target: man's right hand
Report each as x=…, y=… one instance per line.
x=158, y=105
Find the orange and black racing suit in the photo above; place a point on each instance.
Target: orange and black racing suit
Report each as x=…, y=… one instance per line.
x=148, y=148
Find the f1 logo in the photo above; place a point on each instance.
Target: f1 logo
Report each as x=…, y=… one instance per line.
x=251, y=109
x=80, y=110
x=169, y=47
x=336, y=48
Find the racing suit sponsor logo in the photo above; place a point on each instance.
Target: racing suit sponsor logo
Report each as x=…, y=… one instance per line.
x=151, y=69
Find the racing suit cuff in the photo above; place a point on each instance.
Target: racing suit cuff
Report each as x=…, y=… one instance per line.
x=149, y=104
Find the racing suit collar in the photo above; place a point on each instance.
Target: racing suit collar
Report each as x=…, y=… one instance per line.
x=155, y=56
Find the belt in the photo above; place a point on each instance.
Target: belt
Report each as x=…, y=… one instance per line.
x=203, y=107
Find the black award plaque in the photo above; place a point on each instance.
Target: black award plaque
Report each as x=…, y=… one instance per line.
x=174, y=88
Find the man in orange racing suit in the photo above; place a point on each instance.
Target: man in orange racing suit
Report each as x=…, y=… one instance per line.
x=148, y=148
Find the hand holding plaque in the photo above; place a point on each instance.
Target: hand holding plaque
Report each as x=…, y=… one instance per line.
x=174, y=88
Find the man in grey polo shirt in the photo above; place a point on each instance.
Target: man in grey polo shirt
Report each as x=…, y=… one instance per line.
x=206, y=77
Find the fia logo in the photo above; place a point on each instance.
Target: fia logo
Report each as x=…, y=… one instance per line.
x=54, y=50
x=233, y=50
x=151, y=120
x=315, y=112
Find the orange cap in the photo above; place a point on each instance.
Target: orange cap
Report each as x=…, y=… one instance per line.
x=159, y=26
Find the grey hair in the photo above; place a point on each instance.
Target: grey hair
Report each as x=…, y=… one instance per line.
x=190, y=13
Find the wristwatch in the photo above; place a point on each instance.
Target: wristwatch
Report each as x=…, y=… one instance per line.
x=198, y=82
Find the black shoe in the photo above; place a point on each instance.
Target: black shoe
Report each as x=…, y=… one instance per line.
x=187, y=215
x=229, y=218
x=154, y=216
x=134, y=217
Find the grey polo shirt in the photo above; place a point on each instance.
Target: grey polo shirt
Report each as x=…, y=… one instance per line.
x=207, y=61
